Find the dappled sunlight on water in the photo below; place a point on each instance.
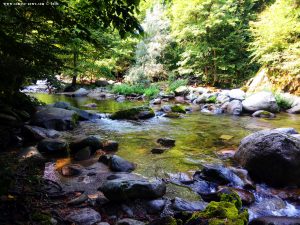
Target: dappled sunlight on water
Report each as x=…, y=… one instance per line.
x=199, y=137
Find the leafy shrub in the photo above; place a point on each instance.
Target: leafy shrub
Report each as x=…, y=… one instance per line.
x=283, y=102
x=126, y=89
x=173, y=85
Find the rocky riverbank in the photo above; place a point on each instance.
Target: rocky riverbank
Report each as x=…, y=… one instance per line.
x=97, y=186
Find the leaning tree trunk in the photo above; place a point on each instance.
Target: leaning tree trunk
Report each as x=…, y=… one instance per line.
x=75, y=60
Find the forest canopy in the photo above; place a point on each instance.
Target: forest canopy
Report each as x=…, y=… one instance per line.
x=220, y=43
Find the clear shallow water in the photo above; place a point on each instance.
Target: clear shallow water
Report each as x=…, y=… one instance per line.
x=198, y=136
x=198, y=140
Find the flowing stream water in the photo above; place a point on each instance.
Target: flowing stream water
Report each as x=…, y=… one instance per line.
x=199, y=138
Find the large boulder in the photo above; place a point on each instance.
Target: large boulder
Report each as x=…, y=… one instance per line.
x=83, y=114
x=294, y=110
x=134, y=113
x=260, y=101
x=38, y=133
x=94, y=143
x=272, y=157
x=124, y=188
x=53, y=146
x=237, y=94
x=55, y=118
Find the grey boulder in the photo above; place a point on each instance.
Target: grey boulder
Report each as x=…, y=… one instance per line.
x=263, y=100
x=272, y=157
x=55, y=118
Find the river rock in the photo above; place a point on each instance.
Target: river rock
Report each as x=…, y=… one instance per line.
x=94, y=143
x=179, y=204
x=287, y=130
x=178, y=109
x=38, y=133
x=134, y=113
x=218, y=174
x=110, y=146
x=182, y=90
x=261, y=101
x=172, y=115
x=166, y=142
x=118, y=164
x=222, y=98
x=83, y=114
x=81, y=92
x=71, y=170
x=266, y=206
x=55, y=118
x=84, y=216
x=124, y=188
x=263, y=114
x=158, y=150
x=53, y=146
x=156, y=101
x=294, y=110
x=128, y=221
x=101, y=83
x=169, y=95
x=78, y=200
x=155, y=206
x=83, y=154
x=275, y=220
x=272, y=157
x=179, y=100
x=237, y=94
x=234, y=107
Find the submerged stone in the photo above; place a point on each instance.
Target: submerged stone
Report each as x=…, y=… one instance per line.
x=166, y=142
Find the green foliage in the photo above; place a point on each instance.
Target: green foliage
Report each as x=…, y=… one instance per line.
x=126, y=89
x=33, y=37
x=214, y=37
x=283, y=102
x=276, y=37
x=173, y=85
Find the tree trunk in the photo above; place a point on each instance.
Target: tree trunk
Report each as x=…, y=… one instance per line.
x=215, y=69
x=75, y=59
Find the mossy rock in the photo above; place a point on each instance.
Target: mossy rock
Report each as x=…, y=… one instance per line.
x=212, y=99
x=226, y=212
x=178, y=109
x=136, y=113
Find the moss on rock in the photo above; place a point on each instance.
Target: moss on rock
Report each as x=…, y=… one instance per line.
x=226, y=212
x=178, y=109
x=136, y=113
